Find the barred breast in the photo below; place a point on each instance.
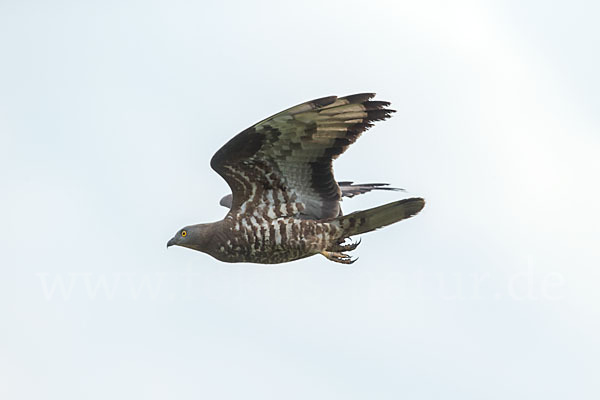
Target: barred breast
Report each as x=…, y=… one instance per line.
x=270, y=241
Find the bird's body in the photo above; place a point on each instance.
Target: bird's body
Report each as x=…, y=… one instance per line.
x=268, y=241
x=285, y=202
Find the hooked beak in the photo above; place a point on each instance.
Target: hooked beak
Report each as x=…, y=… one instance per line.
x=171, y=243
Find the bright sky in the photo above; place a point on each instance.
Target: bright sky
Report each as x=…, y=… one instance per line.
x=111, y=110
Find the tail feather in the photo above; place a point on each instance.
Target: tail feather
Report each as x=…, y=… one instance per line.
x=368, y=220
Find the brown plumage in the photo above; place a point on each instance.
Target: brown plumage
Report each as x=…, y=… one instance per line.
x=285, y=201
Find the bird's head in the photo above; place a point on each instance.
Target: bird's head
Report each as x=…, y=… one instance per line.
x=197, y=237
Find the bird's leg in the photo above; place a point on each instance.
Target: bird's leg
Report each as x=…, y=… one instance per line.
x=338, y=257
x=340, y=247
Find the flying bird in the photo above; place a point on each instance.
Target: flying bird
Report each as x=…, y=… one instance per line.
x=285, y=202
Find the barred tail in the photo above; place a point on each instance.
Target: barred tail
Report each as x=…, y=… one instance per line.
x=378, y=217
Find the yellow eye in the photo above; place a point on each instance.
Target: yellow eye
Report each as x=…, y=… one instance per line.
x=183, y=233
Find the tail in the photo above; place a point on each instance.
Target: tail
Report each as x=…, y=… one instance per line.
x=378, y=217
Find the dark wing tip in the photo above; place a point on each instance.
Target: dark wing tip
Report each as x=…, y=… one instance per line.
x=376, y=105
x=379, y=114
x=359, y=97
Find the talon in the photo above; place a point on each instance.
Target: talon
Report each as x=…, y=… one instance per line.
x=339, y=257
x=354, y=245
x=340, y=246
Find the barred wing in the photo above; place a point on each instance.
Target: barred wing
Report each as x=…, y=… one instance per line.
x=282, y=166
x=348, y=188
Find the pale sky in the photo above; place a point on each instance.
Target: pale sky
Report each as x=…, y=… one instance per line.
x=110, y=112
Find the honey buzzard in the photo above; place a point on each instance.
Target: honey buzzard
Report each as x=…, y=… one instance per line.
x=285, y=202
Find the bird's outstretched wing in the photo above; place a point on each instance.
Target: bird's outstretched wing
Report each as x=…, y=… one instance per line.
x=282, y=165
x=349, y=189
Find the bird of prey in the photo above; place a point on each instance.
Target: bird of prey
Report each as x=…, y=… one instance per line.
x=285, y=202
